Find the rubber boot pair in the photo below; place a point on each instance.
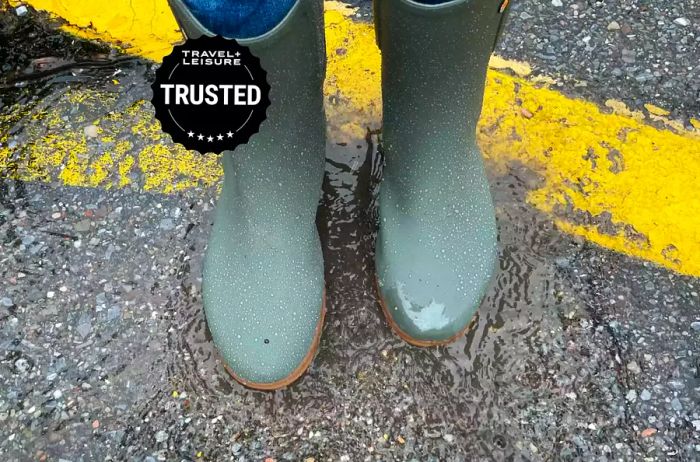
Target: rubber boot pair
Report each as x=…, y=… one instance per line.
x=263, y=283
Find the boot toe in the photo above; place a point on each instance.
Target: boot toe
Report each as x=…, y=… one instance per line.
x=430, y=294
x=424, y=313
x=263, y=348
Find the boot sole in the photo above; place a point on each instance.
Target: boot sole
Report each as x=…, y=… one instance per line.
x=414, y=341
x=296, y=373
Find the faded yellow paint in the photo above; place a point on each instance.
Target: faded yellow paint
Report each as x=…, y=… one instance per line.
x=606, y=174
x=353, y=75
x=656, y=110
x=609, y=178
x=520, y=68
x=62, y=151
x=620, y=108
x=144, y=28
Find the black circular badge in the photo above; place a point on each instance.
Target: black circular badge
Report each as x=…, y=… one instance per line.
x=211, y=94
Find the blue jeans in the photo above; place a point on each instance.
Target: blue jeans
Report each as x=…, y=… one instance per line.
x=246, y=18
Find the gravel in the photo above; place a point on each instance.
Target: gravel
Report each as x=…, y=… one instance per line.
x=638, y=51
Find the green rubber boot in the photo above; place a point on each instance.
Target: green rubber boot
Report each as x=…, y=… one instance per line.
x=436, y=245
x=263, y=283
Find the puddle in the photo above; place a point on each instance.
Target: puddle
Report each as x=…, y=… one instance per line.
x=467, y=390
x=540, y=376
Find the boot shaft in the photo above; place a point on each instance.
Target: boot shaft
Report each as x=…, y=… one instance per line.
x=285, y=159
x=434, y=61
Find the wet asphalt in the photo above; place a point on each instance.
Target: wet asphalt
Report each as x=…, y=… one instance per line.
x=637, y=51
x=578, y=353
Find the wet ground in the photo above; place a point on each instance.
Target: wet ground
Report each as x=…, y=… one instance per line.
x=637, y=51
x=578, y=353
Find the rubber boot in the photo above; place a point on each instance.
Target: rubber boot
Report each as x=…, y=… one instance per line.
x=437, y=238
x=263, y=282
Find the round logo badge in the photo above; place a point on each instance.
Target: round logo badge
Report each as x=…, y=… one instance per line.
x=211, y=94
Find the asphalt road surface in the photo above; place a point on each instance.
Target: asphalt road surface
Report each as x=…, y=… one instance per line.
x=579, y=352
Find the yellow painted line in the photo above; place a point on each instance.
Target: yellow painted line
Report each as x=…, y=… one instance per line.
x=139, y=27
x=128, y=142
x=607, y=174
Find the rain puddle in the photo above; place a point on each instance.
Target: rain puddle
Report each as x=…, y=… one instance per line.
x=470, y=390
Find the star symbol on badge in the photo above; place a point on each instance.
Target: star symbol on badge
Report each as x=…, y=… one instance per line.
x=238, y=54
x=220, y=137
x=190, y=134
x=230, y=134
x=210, y=138
x=200, y=137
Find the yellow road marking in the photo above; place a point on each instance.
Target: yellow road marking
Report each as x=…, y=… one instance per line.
x=143, y=28
x=607, y=175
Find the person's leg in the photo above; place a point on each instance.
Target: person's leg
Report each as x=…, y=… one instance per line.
x=263, y=282
x=436, y=245
x=239, y=18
